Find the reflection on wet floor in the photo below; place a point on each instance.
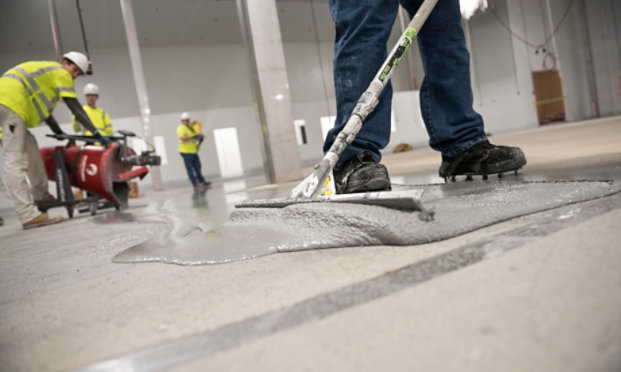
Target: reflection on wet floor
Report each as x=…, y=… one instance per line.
x=235, y=185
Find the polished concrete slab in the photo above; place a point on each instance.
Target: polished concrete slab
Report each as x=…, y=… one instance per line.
x=536, y=292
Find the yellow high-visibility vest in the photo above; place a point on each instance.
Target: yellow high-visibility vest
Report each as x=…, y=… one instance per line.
x=188, y=146
x=99, y=118
x=32, y=89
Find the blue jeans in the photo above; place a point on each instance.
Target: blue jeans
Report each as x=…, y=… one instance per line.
x=193, y=166
x=362, y=31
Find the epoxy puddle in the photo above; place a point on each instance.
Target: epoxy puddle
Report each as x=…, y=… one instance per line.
x=255, y=232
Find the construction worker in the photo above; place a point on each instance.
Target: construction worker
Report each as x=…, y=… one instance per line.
x=98, y=116
x=188, y=148
x=29, y=92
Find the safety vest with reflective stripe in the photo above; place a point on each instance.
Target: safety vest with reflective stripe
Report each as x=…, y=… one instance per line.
x=100, y=120
x=188, y=146
x=32, y=89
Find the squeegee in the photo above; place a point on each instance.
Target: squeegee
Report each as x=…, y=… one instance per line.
x=319, y=185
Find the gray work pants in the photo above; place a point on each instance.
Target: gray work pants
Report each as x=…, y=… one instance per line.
x=23, y=166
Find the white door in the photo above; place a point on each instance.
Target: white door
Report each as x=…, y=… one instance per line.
x=229, y=156
x=327, y=123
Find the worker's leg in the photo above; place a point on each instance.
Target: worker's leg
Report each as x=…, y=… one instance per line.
x=36, y=170
x=362, y=30
x=16, y=163
x=187, y=161
x=446, y=92
x=454, y=128
x=197, y=169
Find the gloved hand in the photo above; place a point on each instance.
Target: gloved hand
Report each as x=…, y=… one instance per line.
x=100, y=138
x=60, y=134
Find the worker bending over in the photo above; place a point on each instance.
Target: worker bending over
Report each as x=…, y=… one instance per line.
x=29, y=92
x=98, y=116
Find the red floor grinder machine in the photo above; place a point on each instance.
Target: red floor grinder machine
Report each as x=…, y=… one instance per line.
x=103, y=172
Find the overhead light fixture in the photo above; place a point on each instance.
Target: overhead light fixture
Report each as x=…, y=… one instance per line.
x=469, y=7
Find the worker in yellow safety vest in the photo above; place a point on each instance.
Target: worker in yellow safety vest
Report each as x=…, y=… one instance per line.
x=29, y=92
x=189, y=142
x=99, y=118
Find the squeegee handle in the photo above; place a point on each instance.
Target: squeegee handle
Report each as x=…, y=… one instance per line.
x=370, y=98
x=366, y=104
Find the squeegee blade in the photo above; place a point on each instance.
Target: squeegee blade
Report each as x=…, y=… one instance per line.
x=404, y=200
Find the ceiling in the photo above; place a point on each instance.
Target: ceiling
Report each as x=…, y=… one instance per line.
x=25, y=24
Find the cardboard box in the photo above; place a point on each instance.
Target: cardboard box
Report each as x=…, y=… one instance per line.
x=78, y=194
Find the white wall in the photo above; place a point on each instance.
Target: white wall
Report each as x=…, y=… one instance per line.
x=408, y=121
x=502, y=95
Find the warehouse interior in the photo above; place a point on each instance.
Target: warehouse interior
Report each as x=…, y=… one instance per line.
x=517, y=272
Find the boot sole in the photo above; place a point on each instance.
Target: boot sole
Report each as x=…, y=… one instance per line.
x=512, y=165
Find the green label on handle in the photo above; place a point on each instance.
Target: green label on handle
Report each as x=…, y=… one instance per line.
x=410, y=32
x=399, y=52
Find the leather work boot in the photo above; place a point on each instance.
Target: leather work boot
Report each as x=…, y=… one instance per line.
x=361, y=174
x=41, y=220
x=46, y=199
x=482, y=159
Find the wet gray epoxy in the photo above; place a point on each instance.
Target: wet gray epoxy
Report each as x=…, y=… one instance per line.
x=210, y=342
x=253, y=232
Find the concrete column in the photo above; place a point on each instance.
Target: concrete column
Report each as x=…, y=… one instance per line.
x=268, y=75
x=588, y=47
x=141, y=87
x=55, y=34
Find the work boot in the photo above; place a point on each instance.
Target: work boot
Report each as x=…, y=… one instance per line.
x=46, y=199
x=41, y=220
x=361, y=174
x=482, y=159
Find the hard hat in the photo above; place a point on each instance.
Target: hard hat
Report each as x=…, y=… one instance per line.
x=91, y=88
x=79, y=60
x=185, y=116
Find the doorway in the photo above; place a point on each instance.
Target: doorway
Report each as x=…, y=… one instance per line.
x=227, y=148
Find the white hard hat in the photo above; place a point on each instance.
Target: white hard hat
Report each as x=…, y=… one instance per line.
x=79, y=59
x=185, y=116
x=91, y=88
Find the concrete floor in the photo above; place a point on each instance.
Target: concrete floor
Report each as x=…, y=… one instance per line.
x=537, y=293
